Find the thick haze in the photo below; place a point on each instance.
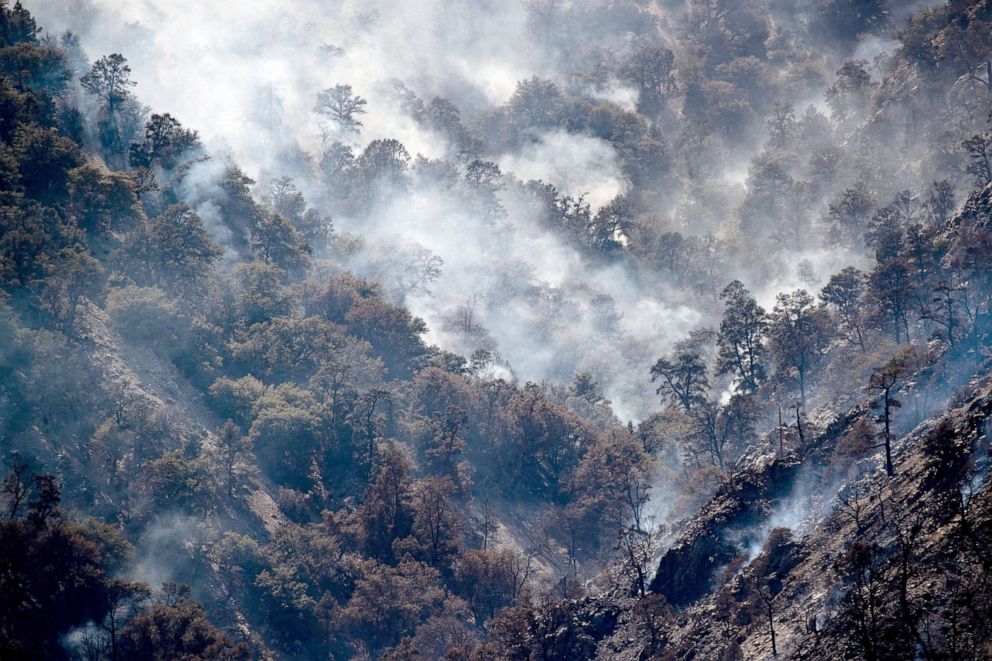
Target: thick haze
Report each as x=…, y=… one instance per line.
x=245, y=75
x=213, y=64
x=752, y=227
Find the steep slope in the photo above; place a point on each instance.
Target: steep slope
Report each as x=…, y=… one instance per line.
x=821, y=547
x=934, y=515
x=358, y=398
x=899, y=567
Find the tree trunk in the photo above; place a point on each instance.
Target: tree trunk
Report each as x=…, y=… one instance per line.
x=889, y=468
x=771, y=628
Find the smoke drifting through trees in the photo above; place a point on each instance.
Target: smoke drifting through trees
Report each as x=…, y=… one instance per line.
x=513, y=267
x=220, y=325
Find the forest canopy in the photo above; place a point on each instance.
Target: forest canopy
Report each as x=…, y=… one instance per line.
x=409, y=332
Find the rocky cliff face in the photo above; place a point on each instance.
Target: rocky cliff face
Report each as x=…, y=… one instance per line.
x=712, y=539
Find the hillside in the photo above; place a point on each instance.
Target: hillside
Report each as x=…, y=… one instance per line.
x=536, y=330
x=841, y=562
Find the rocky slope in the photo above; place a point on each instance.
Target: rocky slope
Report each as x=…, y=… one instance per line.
x=911, y=551
x=837, y=558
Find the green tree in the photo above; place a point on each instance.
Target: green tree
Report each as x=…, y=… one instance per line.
x=651, y=68
x=276, y=241
x=890, y=290
x=883, y=381
x=17, y=25
x=174, y=250
x=233, y=454
x=848, y=97
x=683, y=376
x=284, y=198
x=799, y=332
x=395, y=334
x=436, y=523
x=109, y=81
x=388, y=602
x=235, y=398
x=75, y=276
x=385, y=512
x=145, y=315
x=45, y=160
x=174, y=482
x=979, y=150
x=176, y=627
x=238, y=210
x=844, y=294
x=56, y=575
x=166, y=144
x=848, y=216
x=260, y=294
x=285, y=435
x=341, y=105
x=535, y=104
x=103, y=202
x=741, y=338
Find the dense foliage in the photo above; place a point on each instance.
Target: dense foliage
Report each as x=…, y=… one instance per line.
x=222, y=444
